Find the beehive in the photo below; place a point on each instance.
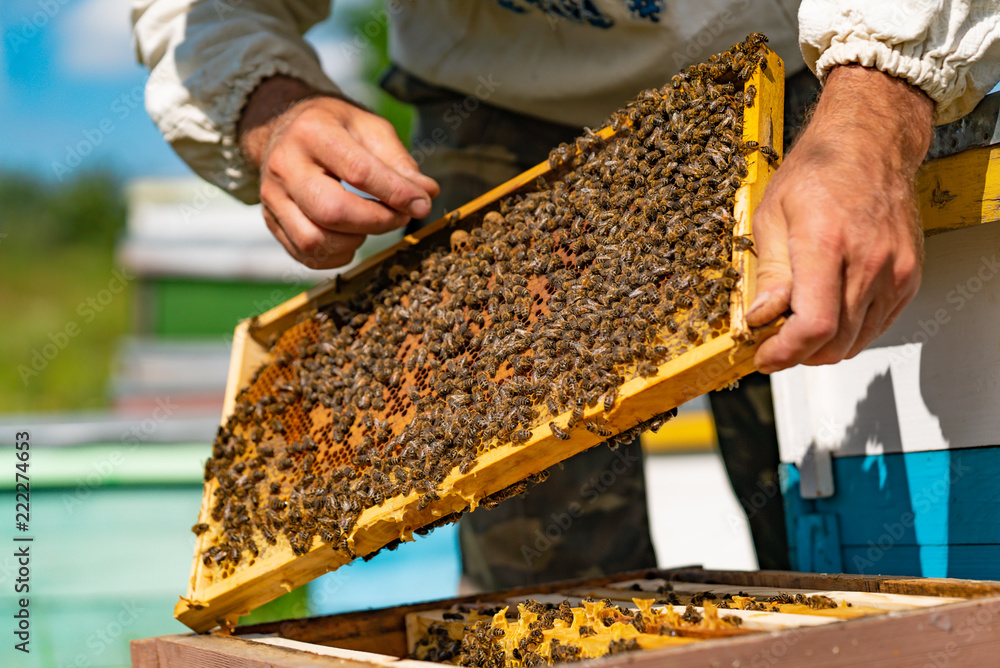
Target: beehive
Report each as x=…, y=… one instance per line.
x=586, y=298
x=878, y=620
x=580, y=623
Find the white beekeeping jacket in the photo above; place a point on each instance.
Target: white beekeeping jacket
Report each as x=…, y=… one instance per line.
x=571, y=61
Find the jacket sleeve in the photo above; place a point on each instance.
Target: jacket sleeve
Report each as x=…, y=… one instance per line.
x=205, y=58
x=948, y=48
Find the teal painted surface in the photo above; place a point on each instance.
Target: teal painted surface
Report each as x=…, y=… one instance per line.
x=80, y=470
x=935, y=514
x=424, y=570
x=105, y=569
x=113, y=551
x=795, y=507
x=972, y=562
x=818, y=531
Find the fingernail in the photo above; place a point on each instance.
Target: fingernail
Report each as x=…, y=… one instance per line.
x=419, y=207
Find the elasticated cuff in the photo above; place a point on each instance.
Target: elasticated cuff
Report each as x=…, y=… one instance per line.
x=951, y=92
x=209, y=144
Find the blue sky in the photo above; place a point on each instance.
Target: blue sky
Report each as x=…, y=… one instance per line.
x=61, y=82
x=67, y=70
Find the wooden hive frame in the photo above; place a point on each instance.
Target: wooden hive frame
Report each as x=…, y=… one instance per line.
x=212, y=600
x=774, y=617
x=956, y=621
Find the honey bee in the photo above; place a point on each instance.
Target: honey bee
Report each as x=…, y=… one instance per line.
x=520, y=436
x=645, y=368
x=558, y=432
x=599, y=429
x=576, y=416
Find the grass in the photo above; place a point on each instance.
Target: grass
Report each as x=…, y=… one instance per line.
x=43, y=291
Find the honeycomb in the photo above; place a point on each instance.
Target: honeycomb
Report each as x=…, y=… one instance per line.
x=541, y=634
x=616, y=261
x=537, y=633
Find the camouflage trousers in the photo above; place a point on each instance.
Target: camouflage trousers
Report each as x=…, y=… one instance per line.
x=590, y=517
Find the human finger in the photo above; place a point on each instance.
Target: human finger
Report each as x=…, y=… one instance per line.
x=308, y=243
x=379, y=136
x=345, y=158
x=774, y=273
x=816, y=300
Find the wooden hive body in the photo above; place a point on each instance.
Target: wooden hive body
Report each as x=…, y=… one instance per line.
x=892, y=621
x=219, y=594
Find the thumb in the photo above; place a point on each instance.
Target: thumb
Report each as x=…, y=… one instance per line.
x=774, y=273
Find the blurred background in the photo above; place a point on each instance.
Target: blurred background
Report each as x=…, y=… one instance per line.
x=122, y=277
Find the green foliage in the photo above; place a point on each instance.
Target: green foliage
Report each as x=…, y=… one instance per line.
x=56, y=252
x=88, y=210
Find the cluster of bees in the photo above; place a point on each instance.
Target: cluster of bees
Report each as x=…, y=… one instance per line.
x=545, y=633
x=615, y=263
x=539, y=634
x=773, y=603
